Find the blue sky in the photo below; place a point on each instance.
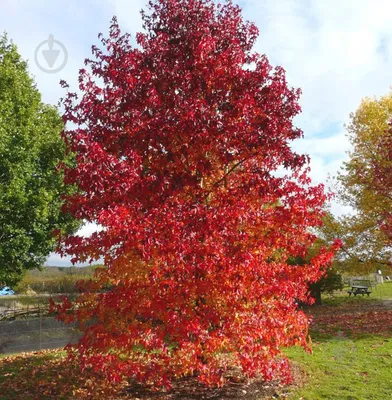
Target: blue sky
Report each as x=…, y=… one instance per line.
x=337, y=51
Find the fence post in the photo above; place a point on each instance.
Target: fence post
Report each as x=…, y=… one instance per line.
x=40, y=327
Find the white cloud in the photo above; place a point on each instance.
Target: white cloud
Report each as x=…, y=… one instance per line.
x=335, y=146
x=339, y=210
x=86, y=230
x=89, y=228
x=321, y=169
x=337, y=51
x=55, y=260
x=331, y=49
x=128, y=14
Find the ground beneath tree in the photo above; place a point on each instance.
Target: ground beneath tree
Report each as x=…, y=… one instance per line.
x=48, y=375
x=235, y=388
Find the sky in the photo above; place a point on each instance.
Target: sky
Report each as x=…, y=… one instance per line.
x=337, y=52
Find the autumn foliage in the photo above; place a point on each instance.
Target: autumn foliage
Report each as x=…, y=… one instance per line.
x=367, y=183
x=183, y=157
x=381, y=182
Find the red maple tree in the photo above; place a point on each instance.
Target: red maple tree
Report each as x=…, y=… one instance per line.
x=178, y=144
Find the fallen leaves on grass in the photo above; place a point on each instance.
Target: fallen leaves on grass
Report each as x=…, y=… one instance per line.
x=353, y=321
x=48, y=375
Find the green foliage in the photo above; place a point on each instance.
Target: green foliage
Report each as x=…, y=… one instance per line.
x=364, y=249
x=329, y=283
x=30, y=188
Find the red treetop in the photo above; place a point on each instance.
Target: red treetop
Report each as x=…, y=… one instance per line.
x=178, y=143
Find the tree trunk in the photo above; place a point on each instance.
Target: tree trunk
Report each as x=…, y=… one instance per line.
x=317, y=295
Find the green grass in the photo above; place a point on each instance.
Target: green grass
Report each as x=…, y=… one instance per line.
x=349, y=364
x=381, y=292
x=346, y=369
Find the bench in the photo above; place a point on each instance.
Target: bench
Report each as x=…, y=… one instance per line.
x=360, y=287
x=356, y=291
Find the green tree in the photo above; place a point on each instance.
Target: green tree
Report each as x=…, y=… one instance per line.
x=365, y=246
x=331, y=280
x=30, y=188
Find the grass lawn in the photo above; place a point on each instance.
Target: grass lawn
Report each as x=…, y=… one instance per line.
x=352, y=351
x=346, y=369
x=379, y=293
x=351, y=360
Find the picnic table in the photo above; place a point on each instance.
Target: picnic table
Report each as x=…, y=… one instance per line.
x=359, y=289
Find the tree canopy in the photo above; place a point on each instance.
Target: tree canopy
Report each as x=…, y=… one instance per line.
x=366, y=187
x=30, y=188
x=177, y=143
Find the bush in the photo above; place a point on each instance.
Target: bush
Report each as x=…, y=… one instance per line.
x=329, y=283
